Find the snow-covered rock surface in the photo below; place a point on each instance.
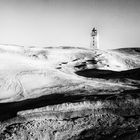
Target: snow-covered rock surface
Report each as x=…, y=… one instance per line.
x=68, y=93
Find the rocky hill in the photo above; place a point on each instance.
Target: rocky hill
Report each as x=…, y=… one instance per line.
x=68, y=93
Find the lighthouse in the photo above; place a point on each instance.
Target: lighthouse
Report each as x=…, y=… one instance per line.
x=94, y=44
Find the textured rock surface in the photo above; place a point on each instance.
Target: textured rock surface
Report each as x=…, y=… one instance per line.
x=69, y=93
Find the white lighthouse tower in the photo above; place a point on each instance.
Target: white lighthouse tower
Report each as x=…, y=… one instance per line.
x=94, y=44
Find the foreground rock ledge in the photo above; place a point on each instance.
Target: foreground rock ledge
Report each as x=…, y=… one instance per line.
x=110, y=118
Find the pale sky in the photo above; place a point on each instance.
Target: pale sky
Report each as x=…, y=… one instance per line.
x=69, y=22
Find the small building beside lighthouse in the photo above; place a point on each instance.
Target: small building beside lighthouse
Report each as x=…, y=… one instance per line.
x=94, y=44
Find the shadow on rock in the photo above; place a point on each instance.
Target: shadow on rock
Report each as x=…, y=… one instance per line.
x=109, y=74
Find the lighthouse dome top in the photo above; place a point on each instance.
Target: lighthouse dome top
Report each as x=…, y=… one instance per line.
x=94, y=32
